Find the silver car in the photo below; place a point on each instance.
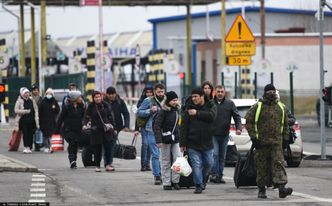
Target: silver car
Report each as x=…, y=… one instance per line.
x=243, y=142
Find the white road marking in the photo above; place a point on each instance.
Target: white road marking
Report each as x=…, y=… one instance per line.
x=38, y=176
x=37, y=195
x=38, y=179
x=35, y=200
x=37, y=190
x=38, y=185
x=312, y=197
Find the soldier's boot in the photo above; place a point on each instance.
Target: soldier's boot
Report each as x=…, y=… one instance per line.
x=262, y=192
x=284, y=191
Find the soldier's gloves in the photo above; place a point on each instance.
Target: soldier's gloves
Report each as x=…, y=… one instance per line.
x=285, y=144
x=256, y=143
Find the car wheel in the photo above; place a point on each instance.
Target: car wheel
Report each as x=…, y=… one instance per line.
x=291, y=163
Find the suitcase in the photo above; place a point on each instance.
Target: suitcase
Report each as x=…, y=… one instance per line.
x=88, y=156
x=15, y=140
x=245, y=170
x=187, y=181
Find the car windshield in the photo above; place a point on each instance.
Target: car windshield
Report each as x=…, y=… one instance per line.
x=243, y=110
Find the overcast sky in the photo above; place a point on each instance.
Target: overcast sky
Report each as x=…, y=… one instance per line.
x=69, y=21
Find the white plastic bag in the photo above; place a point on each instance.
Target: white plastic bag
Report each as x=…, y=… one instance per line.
x=181, y=166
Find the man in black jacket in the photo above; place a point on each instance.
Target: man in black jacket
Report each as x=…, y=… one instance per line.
x=196, y=136
x=226, y=110
x=120, y=112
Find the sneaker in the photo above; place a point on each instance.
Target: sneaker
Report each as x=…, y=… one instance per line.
x=25, y=150
x=176, y=186
x=109, y=168
x=167, y=187
x=46, y=150
x=98, y=169
x=157, y=180
x=143, y=169
x=73, y=165
x=222, y=181
x=215, y=179
x=198, y=190
x=29, y=150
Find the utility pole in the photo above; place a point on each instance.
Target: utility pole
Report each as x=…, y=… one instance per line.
x=262, y=14
x=189, y=52
x=33, y=47
x=22, y=70
x=223, y=34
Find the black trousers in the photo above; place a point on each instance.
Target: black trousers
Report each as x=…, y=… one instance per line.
x=72, y=150
x=27, y=131
x=98, y=151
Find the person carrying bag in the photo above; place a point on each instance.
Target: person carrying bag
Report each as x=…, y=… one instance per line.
x=166, y=130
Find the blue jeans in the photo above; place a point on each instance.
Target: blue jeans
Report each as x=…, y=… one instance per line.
x=201, y=163
x=145, y=151
x=219, y=155
x=112, y=143
x=155, y=153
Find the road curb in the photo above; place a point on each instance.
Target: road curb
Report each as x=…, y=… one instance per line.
x=8, y=164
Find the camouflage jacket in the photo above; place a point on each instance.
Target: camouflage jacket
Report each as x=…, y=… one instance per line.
x=269, y=123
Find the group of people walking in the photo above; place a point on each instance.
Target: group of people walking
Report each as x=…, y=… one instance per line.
x=199, y=127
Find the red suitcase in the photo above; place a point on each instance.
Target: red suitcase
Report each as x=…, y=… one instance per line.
x=15, y=140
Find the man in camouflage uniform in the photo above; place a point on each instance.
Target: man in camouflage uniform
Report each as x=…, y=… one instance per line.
x=267, y=125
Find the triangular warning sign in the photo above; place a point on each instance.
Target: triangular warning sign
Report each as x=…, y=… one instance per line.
x=239, y=32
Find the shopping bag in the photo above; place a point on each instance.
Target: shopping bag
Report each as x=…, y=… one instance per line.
x=39, y=137
x=125, y=151
x=181, y=166
x=15, y=140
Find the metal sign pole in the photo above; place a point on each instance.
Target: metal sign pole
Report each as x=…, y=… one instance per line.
x=137, y=64
x=321, y=60
x=101, y=51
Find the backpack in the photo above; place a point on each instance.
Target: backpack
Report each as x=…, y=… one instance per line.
x=141, y=121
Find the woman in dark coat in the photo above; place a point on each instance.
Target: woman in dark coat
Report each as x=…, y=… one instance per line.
x=166, y=130
x=71, y=118
x=48, y=112
x=98, y=113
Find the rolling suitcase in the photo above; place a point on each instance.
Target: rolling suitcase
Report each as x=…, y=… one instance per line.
x=88, y=156
x=245, y=170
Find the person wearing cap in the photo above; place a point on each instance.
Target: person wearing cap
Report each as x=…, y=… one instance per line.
x=48, y=113
x=27, y=118
x=145, y=151
x=121, y=116
x=226, y=111
x=148, y=110
x=196, y=136
x=267, y=125
x=99, y=113
x=166, y=130
x=71, y=117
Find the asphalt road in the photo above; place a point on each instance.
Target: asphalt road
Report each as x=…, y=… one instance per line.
x=128, y=186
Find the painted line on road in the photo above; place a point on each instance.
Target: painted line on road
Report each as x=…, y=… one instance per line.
x=39, y=176
x=38, y=179
x=37, y=190
x=38, y=185
x=35, y=200
x=37, y=195
x=319, y=199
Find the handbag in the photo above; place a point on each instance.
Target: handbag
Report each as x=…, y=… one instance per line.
x=15, y=140
x=168, y=137
x=107, y=126
x=39, y=136
x=128, y=152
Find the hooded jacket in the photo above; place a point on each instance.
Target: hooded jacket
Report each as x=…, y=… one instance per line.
x=119, y=109
x=165, y=121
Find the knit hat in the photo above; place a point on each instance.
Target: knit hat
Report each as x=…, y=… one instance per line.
x=49, y=91
x=269, y=87
x=23, y=90
x=198, y=91
x=73, y=95
x=170, y=96
x=110, y=90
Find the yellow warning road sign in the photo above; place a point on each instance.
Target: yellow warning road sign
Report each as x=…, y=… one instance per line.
x=240, y=49
x=239, y=32
x=238, y=60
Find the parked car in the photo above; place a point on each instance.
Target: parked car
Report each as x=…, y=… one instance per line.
x=243, y=142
